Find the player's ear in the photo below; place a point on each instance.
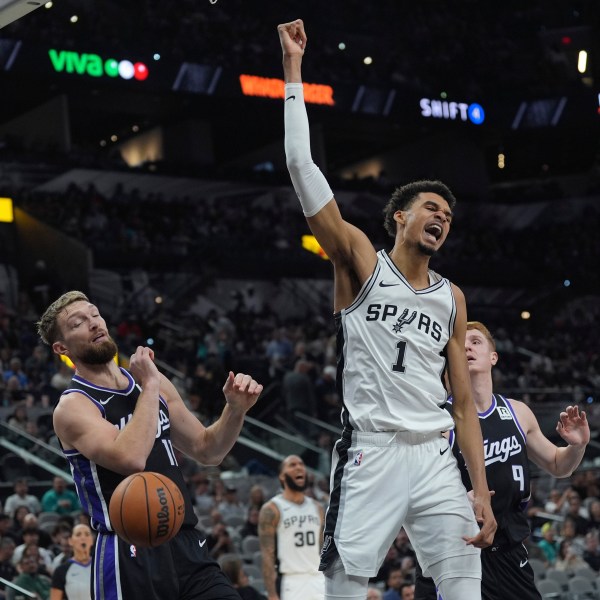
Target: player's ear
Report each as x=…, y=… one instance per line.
x=494, y=358
x=59, y=348
x=400, y=216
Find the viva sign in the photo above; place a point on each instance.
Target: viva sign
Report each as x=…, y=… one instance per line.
x=66, y=61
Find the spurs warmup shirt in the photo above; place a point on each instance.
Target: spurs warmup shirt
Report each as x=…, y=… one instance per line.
x=391, y=353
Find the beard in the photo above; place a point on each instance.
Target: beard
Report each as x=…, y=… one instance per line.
x=99, y=354
x=426, y=249
x=292, y=485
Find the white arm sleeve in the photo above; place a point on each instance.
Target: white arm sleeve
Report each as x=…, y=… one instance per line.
x=308, y=181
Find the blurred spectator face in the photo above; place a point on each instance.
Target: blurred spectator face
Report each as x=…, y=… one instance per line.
x=395, y=579
x=408, y=592
x=373, y=594
x=591, y=542
x=595, y=510
x=574, y=505
x=21, y=487
x=59, y=485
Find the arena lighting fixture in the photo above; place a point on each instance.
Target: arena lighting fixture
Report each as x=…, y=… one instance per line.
x=582, y=61
x=11, y=10
x=6, y=210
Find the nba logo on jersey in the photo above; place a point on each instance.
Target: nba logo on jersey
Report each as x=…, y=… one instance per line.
x=504, y=413
x=358, y=458
x=132, y=551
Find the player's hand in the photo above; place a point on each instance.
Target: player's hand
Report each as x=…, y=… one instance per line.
x=486, y=520
x=573, y=426
x=142, y=367
x=292, y=37
x=241, y=391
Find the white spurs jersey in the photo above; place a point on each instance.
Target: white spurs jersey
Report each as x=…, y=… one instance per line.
x=391, y=353
x=298, y=536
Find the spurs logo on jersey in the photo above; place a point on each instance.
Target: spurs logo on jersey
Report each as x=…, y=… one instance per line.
x=425, y=322
x=391, y=346
x=500, y=450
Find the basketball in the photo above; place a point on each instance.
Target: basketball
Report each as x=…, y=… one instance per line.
x=146, y=509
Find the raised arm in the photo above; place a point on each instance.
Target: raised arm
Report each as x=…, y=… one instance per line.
x=210, y=445
x=347, y=247
x=572, y=426
x=268, y=520
x=468, y=430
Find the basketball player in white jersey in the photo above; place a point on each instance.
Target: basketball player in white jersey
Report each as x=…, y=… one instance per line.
x=400, y=326
x=290, y=528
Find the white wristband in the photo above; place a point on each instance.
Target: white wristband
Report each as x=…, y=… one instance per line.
x=310, y=184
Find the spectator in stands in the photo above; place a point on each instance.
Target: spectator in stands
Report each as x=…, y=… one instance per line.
x=5, y=527
x=591, y=554
x=61, y=380
x=329, y=406
x=233, y=568
x=29, y=577
x=231, y=506
x=204, y=501
x=594, y=511
x=250, y=527
x=548, y=544
x=22, y=497
x=8, y=570
x=298, y=392
x=256, y=497
x=60, y=545
x=374, y=593
x=576, y=511
x=403, y=545
x=219, y=541
x=31, y=537
x=395, y=579
x=59, y=499
x=20, y=415
x=16, y=527
x=407, y=591
x=15, y=369
x=568, y=558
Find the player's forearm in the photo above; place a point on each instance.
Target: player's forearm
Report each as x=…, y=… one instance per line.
x=292, y=68
x=268, y=571
x=135, y=441
x=567, y=460
x=470, y=442
x=220, y=437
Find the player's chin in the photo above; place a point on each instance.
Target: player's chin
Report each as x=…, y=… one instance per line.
x=427, y=249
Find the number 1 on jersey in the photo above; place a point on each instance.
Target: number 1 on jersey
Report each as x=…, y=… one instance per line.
x=399, y=366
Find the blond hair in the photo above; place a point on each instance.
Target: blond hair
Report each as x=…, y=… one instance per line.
x=47, y=326
x=486, y=332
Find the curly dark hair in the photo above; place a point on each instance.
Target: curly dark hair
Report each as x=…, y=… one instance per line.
x=404, y=196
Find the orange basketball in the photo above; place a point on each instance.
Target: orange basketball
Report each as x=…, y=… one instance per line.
x=146, y=509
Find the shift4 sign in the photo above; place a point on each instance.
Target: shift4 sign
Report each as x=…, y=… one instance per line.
x=67, y=61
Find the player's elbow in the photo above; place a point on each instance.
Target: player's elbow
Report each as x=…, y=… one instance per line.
x=132, y=464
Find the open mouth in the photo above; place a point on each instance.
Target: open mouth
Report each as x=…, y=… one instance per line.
x=434, y=232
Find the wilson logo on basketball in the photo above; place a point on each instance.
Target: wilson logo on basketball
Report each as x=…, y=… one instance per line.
x=163, y=515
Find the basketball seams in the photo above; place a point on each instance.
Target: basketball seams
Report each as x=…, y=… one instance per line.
x=128, y=501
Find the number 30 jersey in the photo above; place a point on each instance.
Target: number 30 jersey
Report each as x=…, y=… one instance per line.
x=391, y=345
x=298, y=536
